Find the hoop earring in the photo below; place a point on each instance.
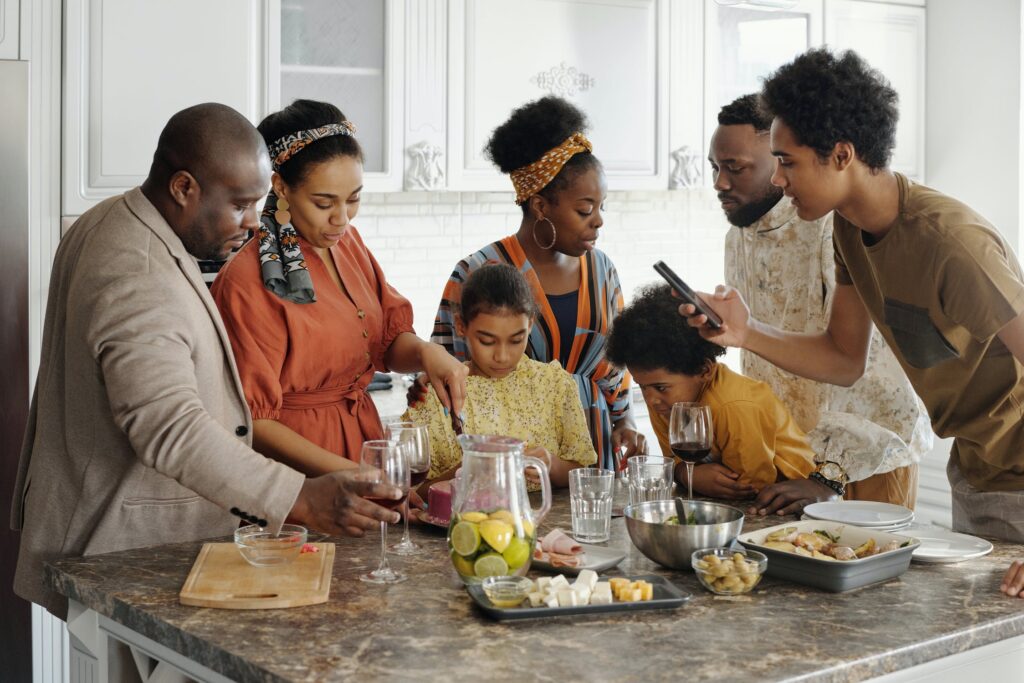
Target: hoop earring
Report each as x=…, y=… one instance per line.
x=281, y=214
x=554, y=235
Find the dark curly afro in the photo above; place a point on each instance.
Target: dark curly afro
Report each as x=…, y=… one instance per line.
x=532, y=130
x=651, y=335
x=825, y=98
x=747, y=111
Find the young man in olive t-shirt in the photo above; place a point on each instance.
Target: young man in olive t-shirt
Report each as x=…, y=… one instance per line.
x=937, y=279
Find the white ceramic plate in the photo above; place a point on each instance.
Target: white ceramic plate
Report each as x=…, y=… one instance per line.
x=865, y=513
x=887, y=527
x=595, y=557
x=942, y=546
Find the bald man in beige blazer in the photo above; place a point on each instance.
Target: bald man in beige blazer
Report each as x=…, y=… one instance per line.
x=139, y=433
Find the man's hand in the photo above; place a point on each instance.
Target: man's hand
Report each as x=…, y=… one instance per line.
x=715, y=480
x=790, y=497
x=1013, y=581
x=730, y=307
x=336, y=503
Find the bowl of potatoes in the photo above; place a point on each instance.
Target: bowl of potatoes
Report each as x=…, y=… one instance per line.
x=725, y=571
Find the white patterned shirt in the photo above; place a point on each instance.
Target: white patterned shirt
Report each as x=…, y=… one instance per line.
x=785, y=270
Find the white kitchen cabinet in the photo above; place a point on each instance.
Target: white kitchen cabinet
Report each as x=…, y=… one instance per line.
x=10, y=29
x=892, y=39
x=610, y=58
x=130, y=65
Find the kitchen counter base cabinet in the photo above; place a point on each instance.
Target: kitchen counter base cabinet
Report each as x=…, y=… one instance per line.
x=941, y=623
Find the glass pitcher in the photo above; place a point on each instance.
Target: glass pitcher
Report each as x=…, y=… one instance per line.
x=493, y=529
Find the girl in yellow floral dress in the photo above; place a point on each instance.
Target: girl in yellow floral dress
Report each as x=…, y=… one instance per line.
x=508, y=393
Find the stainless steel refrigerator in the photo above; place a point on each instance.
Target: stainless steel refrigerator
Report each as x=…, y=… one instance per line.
x=15, y=619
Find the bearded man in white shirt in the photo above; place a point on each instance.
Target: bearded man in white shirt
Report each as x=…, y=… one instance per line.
x=869, y=437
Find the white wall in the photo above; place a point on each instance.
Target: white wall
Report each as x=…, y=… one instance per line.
x=973, y=113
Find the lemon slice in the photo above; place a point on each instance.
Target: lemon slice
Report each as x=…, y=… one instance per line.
x=528, y=527
x=475, y=517
x=463, y=565
x=497, y=533
x=517, y=553
x=490, y=564
x=465, y=538
x=503, y=515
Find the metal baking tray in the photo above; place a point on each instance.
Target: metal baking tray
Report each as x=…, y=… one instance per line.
x=666, y=596
x=836, y=576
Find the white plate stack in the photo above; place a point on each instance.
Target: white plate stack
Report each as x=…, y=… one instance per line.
x=863, y=513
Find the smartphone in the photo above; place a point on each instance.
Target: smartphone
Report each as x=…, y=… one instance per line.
x=687, y=294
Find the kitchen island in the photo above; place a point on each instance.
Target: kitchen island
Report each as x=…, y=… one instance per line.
x=936, y=622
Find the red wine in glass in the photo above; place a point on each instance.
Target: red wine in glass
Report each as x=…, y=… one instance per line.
x=389, y=503
x=691, y=451
x=419, y=477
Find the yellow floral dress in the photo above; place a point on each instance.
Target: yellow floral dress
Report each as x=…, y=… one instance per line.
x=537, y=402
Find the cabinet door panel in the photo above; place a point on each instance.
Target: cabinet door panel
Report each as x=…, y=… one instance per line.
x=609, y=58
x=130, y=65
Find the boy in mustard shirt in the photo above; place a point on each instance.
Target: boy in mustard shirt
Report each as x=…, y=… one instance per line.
x=755, y=441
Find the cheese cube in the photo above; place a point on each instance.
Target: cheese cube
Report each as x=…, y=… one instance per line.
x=543, y=582
x=587, y=577
x=617, y=582
x=560, y=581
x=536, y=598
x=635, y=595
x=602, y=587
x=567, y=598
x=600, y=598
x=646, y=590
x=551, y=601
x=582, y=594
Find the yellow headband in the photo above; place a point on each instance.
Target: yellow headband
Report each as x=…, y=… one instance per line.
x=531, y=179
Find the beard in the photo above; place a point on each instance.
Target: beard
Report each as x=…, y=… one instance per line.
x=747, y=214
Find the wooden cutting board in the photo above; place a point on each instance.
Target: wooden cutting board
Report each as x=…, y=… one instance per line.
x=222, y=578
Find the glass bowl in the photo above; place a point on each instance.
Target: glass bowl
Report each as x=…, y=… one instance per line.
x=725, y=571
x=506, y=591
x=263, y=548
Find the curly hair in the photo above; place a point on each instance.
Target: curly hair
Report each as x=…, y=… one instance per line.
x=650, y=335
x=532, y=130
x=496, y=287
x=745, y=110
x=303, y=115
x=825, y=99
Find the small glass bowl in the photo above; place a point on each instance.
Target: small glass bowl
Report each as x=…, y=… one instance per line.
x=263, y=548
x=723, y=573
x=506, y=591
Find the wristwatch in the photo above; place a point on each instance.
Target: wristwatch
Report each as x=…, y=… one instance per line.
x=831, y=474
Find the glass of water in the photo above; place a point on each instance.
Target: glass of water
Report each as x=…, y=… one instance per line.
x=590, y=496
x=650, y=478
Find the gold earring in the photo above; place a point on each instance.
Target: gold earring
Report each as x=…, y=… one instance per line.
x=554, y=235
x=281, y=214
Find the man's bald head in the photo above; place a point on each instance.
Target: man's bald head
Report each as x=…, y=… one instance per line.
x=210, y=169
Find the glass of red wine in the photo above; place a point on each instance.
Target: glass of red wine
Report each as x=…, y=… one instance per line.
x=385, y=462
x=415, y=440
x=689, y=435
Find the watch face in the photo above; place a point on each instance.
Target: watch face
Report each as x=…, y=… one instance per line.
x=833, y=472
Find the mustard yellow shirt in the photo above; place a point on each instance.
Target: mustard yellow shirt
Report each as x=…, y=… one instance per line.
x=537, y=402
x=754, y=434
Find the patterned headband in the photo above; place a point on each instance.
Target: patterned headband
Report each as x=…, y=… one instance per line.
x=531, y=179
x=284, y=149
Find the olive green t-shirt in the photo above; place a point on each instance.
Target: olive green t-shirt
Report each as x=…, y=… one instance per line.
x=939, y=285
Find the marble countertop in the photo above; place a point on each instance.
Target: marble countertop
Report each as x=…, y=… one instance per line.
x=427, y=627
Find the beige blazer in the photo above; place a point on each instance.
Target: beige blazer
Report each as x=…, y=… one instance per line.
x=139, y=432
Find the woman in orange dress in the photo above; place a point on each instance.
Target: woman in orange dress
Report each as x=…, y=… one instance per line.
x=308, y=310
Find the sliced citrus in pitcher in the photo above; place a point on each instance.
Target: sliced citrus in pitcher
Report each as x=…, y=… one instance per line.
x=517, y=553
x=465, y=538
x=503, y=515
x=475, y=517
x=490, y=564
x=463, y=565
x=497, y=533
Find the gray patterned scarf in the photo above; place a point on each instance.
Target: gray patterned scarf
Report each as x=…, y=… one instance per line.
x=281, y=261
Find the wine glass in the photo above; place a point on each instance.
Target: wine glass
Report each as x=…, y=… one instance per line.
x=689, y=435
x=384, y=462
x=415, y=441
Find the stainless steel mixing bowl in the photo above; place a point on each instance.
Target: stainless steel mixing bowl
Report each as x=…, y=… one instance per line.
x=672, y=545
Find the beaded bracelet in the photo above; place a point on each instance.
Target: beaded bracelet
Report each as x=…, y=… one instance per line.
x=834, y=485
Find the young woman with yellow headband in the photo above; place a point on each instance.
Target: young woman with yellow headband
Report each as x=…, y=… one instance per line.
x=308, y=310
x=561, y=188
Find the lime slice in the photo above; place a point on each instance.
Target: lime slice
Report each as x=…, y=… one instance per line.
x=517, y=553
x=503, y=515
x=475, y=517
x=497, y=533
x=465, y=538
x=490, y=564
x=463, y=566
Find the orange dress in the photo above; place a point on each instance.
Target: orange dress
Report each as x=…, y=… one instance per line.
x=308, y=365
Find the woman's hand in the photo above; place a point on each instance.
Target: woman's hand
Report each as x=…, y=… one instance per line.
x=730, y=307
x=625, y=436
x=446, y=374
x=715, y=480
x=417, y=391
x=1013, y=581
x=790, y=497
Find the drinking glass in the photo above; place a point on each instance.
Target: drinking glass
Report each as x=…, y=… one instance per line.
x=650, y=478
x=385, y=462
x=590, y=497
x=689, y=435
x=415, y=441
